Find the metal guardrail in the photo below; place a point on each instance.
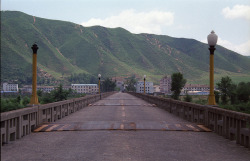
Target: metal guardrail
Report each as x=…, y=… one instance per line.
x=229, y=124
x=18, y=123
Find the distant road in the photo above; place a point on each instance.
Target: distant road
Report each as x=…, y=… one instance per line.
x=122, y=128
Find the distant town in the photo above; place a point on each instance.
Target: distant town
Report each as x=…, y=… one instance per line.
x=163, y=89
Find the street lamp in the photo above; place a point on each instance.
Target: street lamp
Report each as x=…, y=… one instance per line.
x=212, y=40
x=99, y=76
x=144, y=83
x=34, y=97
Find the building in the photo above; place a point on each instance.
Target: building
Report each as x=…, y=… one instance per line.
x=10, y=87
x=45, y=89
x=195, y=89
x=66, y=87
x=85, y=88
x=120, y=84
x=149, y=87
x=165, y=85
x=157, y=88
x=26, y=89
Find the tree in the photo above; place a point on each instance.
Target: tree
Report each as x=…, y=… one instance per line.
x=243, y=91
x=47, y=98
x=233, y=93
x=130, y=84
x=178, y=82
x=60, y=94
x=225, y=87
x=108, y=85
x=217, y=96
x=39, y=93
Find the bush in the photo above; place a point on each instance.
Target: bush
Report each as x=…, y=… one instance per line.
x=188, y=98
x=201, y=102
x=242, y=107
x=217, y=96
x=25, y=100
x=10, y=104
x=243, y=91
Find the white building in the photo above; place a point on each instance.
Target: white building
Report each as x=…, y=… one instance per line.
x=45, y=89
x=165, y=85
x=149, y=87
x=192, y=88
x=85, y=88
x=10, y=87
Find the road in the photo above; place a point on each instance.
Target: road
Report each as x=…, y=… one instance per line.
x=122, y=128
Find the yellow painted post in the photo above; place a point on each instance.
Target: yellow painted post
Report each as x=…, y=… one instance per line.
x=34, y=97
x=144, y=87
x=99, y=87
x=211, y=97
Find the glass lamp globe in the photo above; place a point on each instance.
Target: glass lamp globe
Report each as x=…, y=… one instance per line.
x=212, y=39
x=99, y=75
x=145, y=76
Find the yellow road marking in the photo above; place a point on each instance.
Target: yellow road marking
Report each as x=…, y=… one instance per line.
x=192, y=127
x=204, y=128
x=122, y=102
x=122, y=127
x=61, y=129
x=123, y=114
x=40, y=128
x=52, y=127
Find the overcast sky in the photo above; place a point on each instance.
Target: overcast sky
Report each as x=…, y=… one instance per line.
x=230, y=19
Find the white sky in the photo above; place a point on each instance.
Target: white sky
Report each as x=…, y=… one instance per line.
x=230, y=19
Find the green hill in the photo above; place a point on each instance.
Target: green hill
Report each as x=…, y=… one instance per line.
x=66, y=48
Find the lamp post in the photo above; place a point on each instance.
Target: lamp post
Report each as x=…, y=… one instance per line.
x=212, y=40
x=144, y=83
x=99, y=76
x=34, y=97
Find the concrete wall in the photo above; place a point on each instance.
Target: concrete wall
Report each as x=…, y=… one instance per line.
x=18, y=123
x=229, y=124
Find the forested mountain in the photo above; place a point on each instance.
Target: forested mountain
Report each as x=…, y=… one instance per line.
x=66, y=48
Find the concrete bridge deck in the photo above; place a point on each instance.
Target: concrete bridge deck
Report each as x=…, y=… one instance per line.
x=123, y=127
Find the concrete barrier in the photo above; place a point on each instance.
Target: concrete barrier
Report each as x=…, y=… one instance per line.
x=18, y=123
x=229, y=124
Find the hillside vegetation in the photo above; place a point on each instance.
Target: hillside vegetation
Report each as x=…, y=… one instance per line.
x=66, y=48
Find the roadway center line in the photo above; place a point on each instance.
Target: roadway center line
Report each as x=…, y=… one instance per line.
x=123, y=114
x=123, y=108
x=122, y=126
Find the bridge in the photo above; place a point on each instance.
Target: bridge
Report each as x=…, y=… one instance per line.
x=124, y=127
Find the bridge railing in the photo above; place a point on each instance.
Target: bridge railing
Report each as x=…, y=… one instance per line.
x=229, y=124
x=18, y=123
